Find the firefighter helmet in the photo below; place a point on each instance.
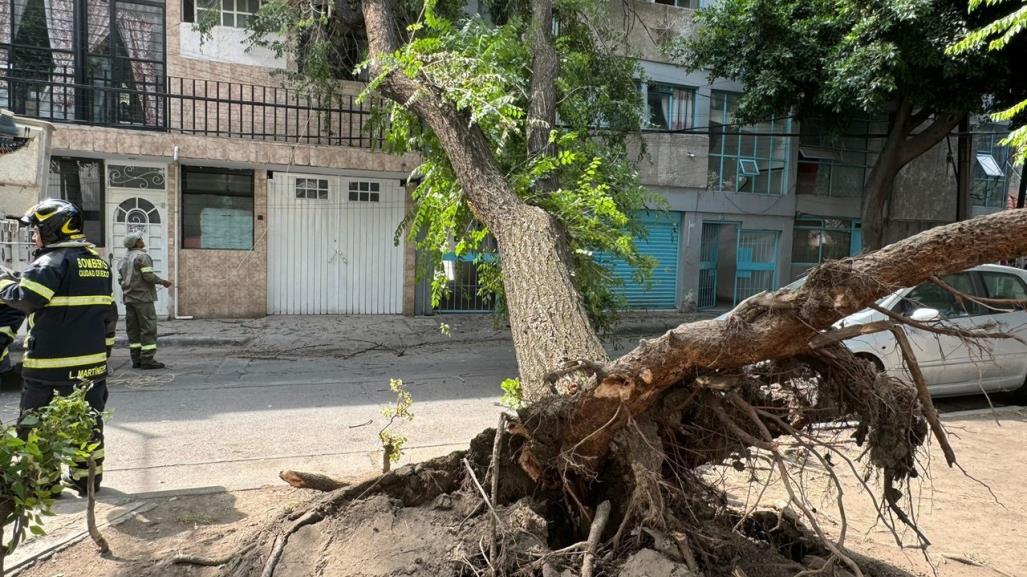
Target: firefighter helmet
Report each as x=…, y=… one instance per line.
x=57, y=221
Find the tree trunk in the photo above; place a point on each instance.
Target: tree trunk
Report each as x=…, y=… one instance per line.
x=903, y=145
x=547, y=316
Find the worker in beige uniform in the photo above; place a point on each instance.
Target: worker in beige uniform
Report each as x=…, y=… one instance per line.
x=139, y=292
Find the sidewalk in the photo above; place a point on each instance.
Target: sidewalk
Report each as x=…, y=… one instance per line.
x=345, y=334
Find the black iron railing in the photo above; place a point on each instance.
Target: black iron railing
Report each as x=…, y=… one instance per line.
x=197, y=107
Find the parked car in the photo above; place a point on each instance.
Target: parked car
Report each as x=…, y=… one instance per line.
x=950, y=365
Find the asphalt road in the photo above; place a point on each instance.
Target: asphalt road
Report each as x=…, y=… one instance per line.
x=232, y=419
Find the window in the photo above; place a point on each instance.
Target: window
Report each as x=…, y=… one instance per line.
x=103, y=62
x=991, y=183
x=816, y=240
x=1004, y=286
x=363, y=191
x=312, y=188
x=932, y=296
x=80, y=180
x=832, y=165
x=746, y=158
x=679, y=3
x=217, y=208
x=234, y=13
x=669, y=107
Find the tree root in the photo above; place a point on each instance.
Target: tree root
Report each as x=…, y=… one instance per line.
x=94, y=532
x=594, y=534
x=315, y=481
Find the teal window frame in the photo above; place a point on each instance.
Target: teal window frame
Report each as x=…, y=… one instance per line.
x=854, y=230
x=725, y=159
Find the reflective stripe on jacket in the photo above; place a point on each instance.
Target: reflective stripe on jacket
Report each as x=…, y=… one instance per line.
x=67, y=293
x=138, y=280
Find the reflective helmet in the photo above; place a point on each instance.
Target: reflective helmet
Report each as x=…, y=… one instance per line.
x=57, y=221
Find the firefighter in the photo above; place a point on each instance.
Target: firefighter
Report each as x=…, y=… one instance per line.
x=67, y=293
x=10, y=321
x=139, y=291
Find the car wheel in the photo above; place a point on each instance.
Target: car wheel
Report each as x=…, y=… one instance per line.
x=873, y=360
x=1019, y=396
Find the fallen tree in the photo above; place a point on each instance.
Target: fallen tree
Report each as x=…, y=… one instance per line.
x=615, y=451
x=606, y=456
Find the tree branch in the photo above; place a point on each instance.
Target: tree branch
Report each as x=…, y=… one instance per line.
x=986, y=302
x=753, y=333
x=544, y=68
x=922, y=141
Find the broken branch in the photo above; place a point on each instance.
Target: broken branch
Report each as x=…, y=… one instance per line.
x=315, y=481
x=595, y=532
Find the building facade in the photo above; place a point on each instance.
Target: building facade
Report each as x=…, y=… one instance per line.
x=254, y=198
x=259, y=200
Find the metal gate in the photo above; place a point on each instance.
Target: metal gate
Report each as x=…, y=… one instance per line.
x=330, y=245
x=755, y=262
x=709, y=257
x=16, y=246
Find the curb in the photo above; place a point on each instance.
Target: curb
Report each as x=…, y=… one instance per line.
x=169, y=341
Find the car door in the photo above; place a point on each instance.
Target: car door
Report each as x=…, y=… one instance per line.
x=1010, y=354
x=952, y=369
x=968, y=367
x=925, y=345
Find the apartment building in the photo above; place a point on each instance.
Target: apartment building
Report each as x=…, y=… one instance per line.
x=753, y=207
x=254, y=198
x=258, y=200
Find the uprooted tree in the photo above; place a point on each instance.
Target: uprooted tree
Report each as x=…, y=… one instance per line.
x=605, y=451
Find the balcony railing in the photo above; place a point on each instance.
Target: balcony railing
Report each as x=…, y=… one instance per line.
x=197, y=107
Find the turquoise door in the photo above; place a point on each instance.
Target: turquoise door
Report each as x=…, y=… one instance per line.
x=662, y=244
x=755, y=263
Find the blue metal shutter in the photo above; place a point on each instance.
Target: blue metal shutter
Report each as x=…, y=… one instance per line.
x=662, y=244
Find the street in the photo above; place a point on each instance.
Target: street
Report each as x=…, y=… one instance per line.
x=224, y=419
x=232, y=417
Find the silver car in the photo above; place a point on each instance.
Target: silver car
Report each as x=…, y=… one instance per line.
x=950, y=365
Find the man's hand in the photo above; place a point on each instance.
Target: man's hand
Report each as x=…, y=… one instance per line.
x=167, y=284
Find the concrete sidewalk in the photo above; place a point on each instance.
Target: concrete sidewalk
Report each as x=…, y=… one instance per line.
x=342, y=334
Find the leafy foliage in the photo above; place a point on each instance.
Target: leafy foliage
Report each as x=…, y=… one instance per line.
x=513, y=398
x=57, y=435
x=841, y=59
x=392, y=442
x=997, y=35
x=484, y=70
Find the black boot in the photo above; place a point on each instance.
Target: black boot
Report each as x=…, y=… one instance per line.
x=150, y=364
x=135, y=358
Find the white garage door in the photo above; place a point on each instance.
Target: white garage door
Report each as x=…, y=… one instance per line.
x=330, y=245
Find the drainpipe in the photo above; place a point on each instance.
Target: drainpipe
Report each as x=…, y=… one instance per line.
x=178, y=214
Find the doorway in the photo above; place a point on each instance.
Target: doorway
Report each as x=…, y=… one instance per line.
x=136, y=202
x=735, y=263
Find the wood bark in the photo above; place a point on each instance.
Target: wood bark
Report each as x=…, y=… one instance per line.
x=547, y=316
x=904, y=144
x=757, y=332
x=315, y=481
x=545, y=65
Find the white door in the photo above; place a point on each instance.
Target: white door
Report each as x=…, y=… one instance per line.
x=330, y=245
x=137, y=201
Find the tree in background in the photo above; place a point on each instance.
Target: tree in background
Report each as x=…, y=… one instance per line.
x=845, y=60
x=998, y=35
